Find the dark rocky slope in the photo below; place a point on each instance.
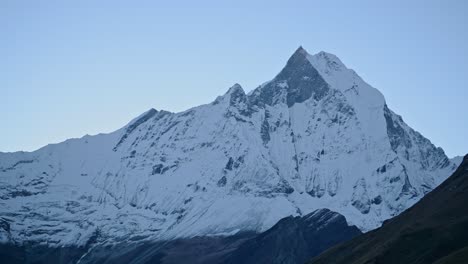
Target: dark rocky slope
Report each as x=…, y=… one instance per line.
x=295, y=239
x=435, y=230
x=291, y=240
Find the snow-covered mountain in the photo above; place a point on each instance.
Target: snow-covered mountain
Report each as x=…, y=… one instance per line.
x=316, y=136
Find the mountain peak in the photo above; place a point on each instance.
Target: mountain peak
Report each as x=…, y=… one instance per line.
x=235, y=89
x=295, y=83
x=298, y=59
x=299, y=55
x=327, y=60
x=301, y=51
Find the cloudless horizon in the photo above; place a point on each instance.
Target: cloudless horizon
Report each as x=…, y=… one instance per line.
x=71, y=68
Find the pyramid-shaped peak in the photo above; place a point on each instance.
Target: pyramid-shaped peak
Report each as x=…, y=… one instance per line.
x=300, y=52
x=299, y=57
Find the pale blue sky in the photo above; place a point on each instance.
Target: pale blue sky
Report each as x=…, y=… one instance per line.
x=70, y=68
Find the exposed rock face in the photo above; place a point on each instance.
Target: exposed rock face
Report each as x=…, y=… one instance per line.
x=316, y=136
x=296, y=83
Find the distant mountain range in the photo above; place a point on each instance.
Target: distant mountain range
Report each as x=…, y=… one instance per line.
x=315, y=136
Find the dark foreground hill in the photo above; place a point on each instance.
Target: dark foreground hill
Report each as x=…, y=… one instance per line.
x=295, y=239
x=291, y=240
x=435, y=230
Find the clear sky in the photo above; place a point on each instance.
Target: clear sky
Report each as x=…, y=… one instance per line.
x=70, y=68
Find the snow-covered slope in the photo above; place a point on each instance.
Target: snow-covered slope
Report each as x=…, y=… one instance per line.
x=316, y=136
